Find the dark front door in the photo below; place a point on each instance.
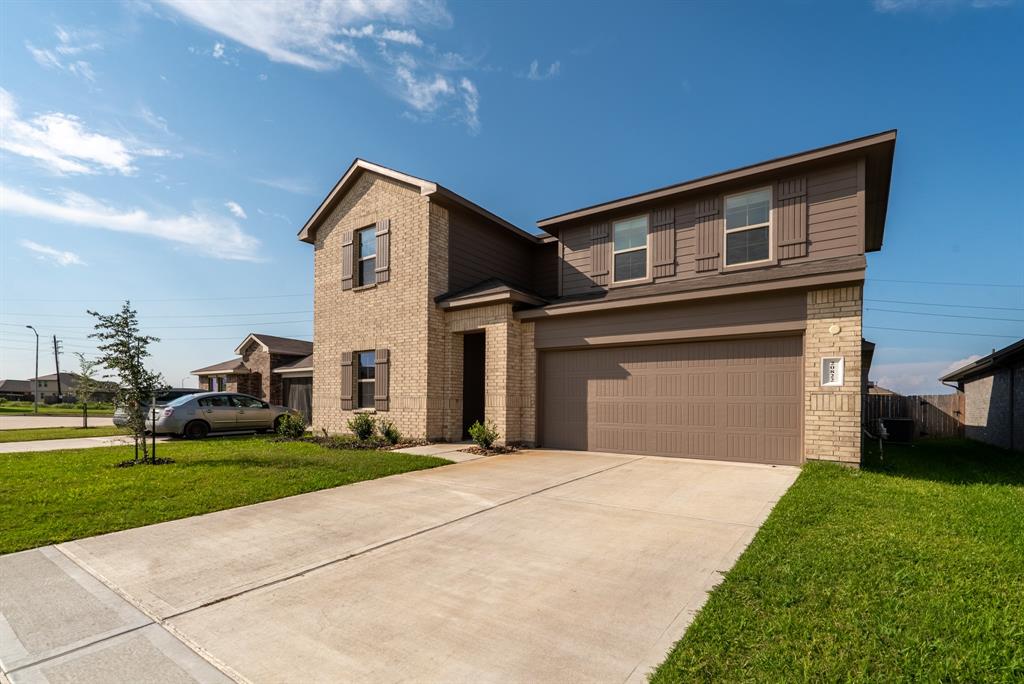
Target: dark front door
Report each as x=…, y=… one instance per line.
x=473, y=346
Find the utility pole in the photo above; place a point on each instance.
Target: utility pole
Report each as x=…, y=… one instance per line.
x=36, y=394
x=56, y=360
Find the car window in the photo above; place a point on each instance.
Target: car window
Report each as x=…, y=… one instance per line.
x=218, y=400
x=183, y=399
x=242, y=401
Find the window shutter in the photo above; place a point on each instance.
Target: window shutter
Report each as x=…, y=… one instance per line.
x=347, y=381
x=347, y=260
x=600, y=253
x=707, y=224
x=383, y=251
x=382, y=379
x=663, y=242
x=791, y=217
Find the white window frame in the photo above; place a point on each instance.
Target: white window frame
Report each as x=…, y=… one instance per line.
x=357, y=245
x=360, y=381
x=646, y=246
x=770, y=224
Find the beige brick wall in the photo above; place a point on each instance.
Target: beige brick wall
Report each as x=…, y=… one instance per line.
x=832, y=429
x=398, y=315
x=509, y=371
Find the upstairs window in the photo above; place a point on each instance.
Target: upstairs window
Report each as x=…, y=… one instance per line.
x=366, y=378
x=629, y=249
x=366, y=256
x=748, y=227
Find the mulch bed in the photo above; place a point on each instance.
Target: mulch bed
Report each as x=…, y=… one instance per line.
x=493, y=451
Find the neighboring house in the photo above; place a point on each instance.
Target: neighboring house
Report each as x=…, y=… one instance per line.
x=874, y=388
x=275, y=369
x=718, y=318
x=50, y=390
x=993, y=388
x=16, y=390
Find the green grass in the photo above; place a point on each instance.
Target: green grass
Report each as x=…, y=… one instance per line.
x=54, y=496
x=21, y=408
x=33, y=434
x=909, y=570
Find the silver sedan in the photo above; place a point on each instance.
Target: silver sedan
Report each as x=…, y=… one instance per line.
x=197, y=415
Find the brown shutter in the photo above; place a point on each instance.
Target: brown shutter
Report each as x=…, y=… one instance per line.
x=707, y=224
x=663, y=242
x=383, y=250
x=600, y=253
x=382, y=379
x=791, y=217
x=347, y=381
x=347, y=260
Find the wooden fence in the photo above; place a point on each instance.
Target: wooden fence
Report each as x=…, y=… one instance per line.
x=934, y=415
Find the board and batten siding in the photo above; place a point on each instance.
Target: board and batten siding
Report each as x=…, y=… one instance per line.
x=822, y=205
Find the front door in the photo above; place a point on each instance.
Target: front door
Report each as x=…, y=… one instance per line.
x=473, y=353
x=219, y=412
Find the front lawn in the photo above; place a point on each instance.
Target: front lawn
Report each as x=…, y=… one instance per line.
x=54, y=496
x=33, y=434
x=909, y=570
x=25, y=408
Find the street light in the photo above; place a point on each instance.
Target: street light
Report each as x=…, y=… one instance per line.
x=36, y=403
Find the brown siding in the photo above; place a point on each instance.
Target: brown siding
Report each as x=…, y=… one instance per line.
x=479, y=251
x=545, y=270
x=732, y=315
x=822, y=205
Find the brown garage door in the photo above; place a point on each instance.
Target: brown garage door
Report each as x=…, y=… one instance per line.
x=736, y=400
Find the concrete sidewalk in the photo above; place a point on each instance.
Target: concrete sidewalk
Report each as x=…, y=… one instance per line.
x=538, y=566
x=31, y=421
x=70, y=443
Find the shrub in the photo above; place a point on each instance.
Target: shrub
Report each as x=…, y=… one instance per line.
x=362, y=426
x=291, y=426
x=388, y=431
x=484, y=434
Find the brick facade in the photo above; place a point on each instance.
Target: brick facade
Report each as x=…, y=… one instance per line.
x=832, y=429
x=398, y=315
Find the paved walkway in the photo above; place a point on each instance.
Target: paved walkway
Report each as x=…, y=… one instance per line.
x=30, y=421
x=539, y=566
x=70, y=443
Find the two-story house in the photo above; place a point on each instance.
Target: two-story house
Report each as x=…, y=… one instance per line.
x=718, y=318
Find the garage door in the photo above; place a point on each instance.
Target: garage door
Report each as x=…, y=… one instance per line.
x=730, y=400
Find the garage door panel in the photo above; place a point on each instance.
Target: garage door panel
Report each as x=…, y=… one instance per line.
x=735, y=400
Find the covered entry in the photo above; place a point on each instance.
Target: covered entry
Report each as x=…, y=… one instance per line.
x=736, y=400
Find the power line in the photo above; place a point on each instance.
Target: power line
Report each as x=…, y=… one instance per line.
x=179, y=327
x=171, y=299
x=939, y=282
x=952, y=306
x=942, y=315
x=938, y=332
x=147, y=316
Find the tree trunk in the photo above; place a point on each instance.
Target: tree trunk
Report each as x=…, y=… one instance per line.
x=85, y=416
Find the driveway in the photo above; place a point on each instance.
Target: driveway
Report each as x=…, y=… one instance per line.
x=539, y=566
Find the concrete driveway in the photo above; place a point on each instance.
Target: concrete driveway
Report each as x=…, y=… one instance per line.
x=538, y=566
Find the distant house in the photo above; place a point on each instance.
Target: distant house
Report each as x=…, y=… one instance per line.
x=993, y=388
x=275, y=369
x=16, y=390
x=50, y=390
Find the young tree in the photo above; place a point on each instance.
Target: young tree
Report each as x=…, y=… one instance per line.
x=87, y=384
x=123, y=352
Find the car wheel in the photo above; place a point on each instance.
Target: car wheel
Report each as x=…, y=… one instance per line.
x=277, y=424
x=197, y=429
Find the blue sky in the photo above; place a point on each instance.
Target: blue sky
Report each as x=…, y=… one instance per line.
x=168, y=152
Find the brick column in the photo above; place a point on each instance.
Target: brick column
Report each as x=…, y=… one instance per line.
x=832, y=430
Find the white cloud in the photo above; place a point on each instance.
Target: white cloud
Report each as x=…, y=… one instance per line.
x=423, y=95
x=402, y=36
x=236, y=209
x=308, y=33
x=296, y=186
x=62, y=143
x=69, y=44
x=916, y=377
x=47, y=253
x=471, y=98
x=895, y=6
x=215, y=236
x=218, y=50
x=538, y=74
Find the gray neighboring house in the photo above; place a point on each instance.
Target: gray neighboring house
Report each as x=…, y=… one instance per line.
x=993, y=388
x=16, y=390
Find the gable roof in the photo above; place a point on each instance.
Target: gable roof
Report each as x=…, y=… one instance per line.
x=277, y=345
x=996, y=358
x=222, y=367
x=427, y=189
x=15, y=385
x=303, y=364
x=878, y=148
